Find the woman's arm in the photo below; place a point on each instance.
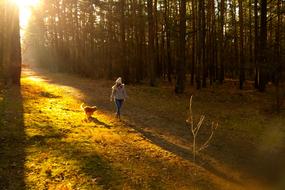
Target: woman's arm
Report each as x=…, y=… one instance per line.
x=125, y=93
x=112, y=94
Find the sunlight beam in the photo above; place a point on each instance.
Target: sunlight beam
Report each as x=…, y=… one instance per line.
x=25, y=10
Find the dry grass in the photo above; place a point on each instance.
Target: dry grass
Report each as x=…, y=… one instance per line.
x=149, y=149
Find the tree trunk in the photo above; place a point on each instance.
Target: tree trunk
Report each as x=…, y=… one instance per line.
x=212, y=41
x=256, y=44
x=199, y=45
x=156, y=44
x=250, y=38
x=263, y=45
x=194, y=39
x=180, y=83
x=151, y=54
x=168, y=48
x=221, y=48
x=202, y=41
x=2, y=8
x=12, y=55
x=241, y=54
x=124, y=61
x=278, y=67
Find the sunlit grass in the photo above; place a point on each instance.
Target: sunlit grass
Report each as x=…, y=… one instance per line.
x=65, y=150
x=149, y=149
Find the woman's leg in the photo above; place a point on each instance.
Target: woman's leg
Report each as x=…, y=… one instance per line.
x=117, y=103
x=118, y=107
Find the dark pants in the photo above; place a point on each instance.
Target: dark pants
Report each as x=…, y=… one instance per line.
x=119, y=104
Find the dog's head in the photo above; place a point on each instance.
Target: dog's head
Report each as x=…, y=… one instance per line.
x=90, y=109
x=94, y=108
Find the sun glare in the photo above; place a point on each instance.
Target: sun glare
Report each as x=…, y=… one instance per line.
x=25, y=10
x=24, y=3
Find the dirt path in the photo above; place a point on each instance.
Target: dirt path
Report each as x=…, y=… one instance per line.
x=149, y=149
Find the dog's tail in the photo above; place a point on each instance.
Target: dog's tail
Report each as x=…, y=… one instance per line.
x=82, y=107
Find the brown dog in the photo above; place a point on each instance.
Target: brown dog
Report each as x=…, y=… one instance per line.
x=89, y=110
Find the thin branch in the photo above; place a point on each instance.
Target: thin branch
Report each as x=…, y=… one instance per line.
x=195, y=130
x=206, y=144
x=199, y=124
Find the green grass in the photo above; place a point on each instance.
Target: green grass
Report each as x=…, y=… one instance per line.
x=64, y=151
x=46, y=142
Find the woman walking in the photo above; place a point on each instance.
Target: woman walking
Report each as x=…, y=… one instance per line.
x=119, y=95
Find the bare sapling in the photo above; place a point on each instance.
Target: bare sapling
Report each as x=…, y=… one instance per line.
x=195, y=128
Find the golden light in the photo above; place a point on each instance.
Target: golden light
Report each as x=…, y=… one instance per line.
x=25, y=10
x=25, y=3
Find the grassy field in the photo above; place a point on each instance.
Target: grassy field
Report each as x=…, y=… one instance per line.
x=46, y=143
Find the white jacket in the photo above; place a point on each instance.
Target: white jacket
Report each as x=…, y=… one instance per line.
x=119, y=92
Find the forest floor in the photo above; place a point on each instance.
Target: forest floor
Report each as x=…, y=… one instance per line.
x=46, y=143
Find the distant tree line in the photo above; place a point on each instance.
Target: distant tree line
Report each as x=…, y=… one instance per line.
x=10, y=47
x=195, y=42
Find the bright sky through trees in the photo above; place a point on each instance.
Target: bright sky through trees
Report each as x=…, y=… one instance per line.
x=25, y=10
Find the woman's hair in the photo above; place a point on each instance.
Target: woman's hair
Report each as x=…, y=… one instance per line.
x=119, y=80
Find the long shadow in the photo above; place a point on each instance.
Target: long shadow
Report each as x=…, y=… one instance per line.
x=93, y=165
x=181, y=152
x=97, y=122
x=105, y=104
x=101, y=99
x=12, y=140
x=231, y=146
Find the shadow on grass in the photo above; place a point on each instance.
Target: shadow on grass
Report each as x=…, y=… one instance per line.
x=100, y=123
x=230, y=149
x=12, y=140
x=183, y=153
x=104, y=103
x=99, y=170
